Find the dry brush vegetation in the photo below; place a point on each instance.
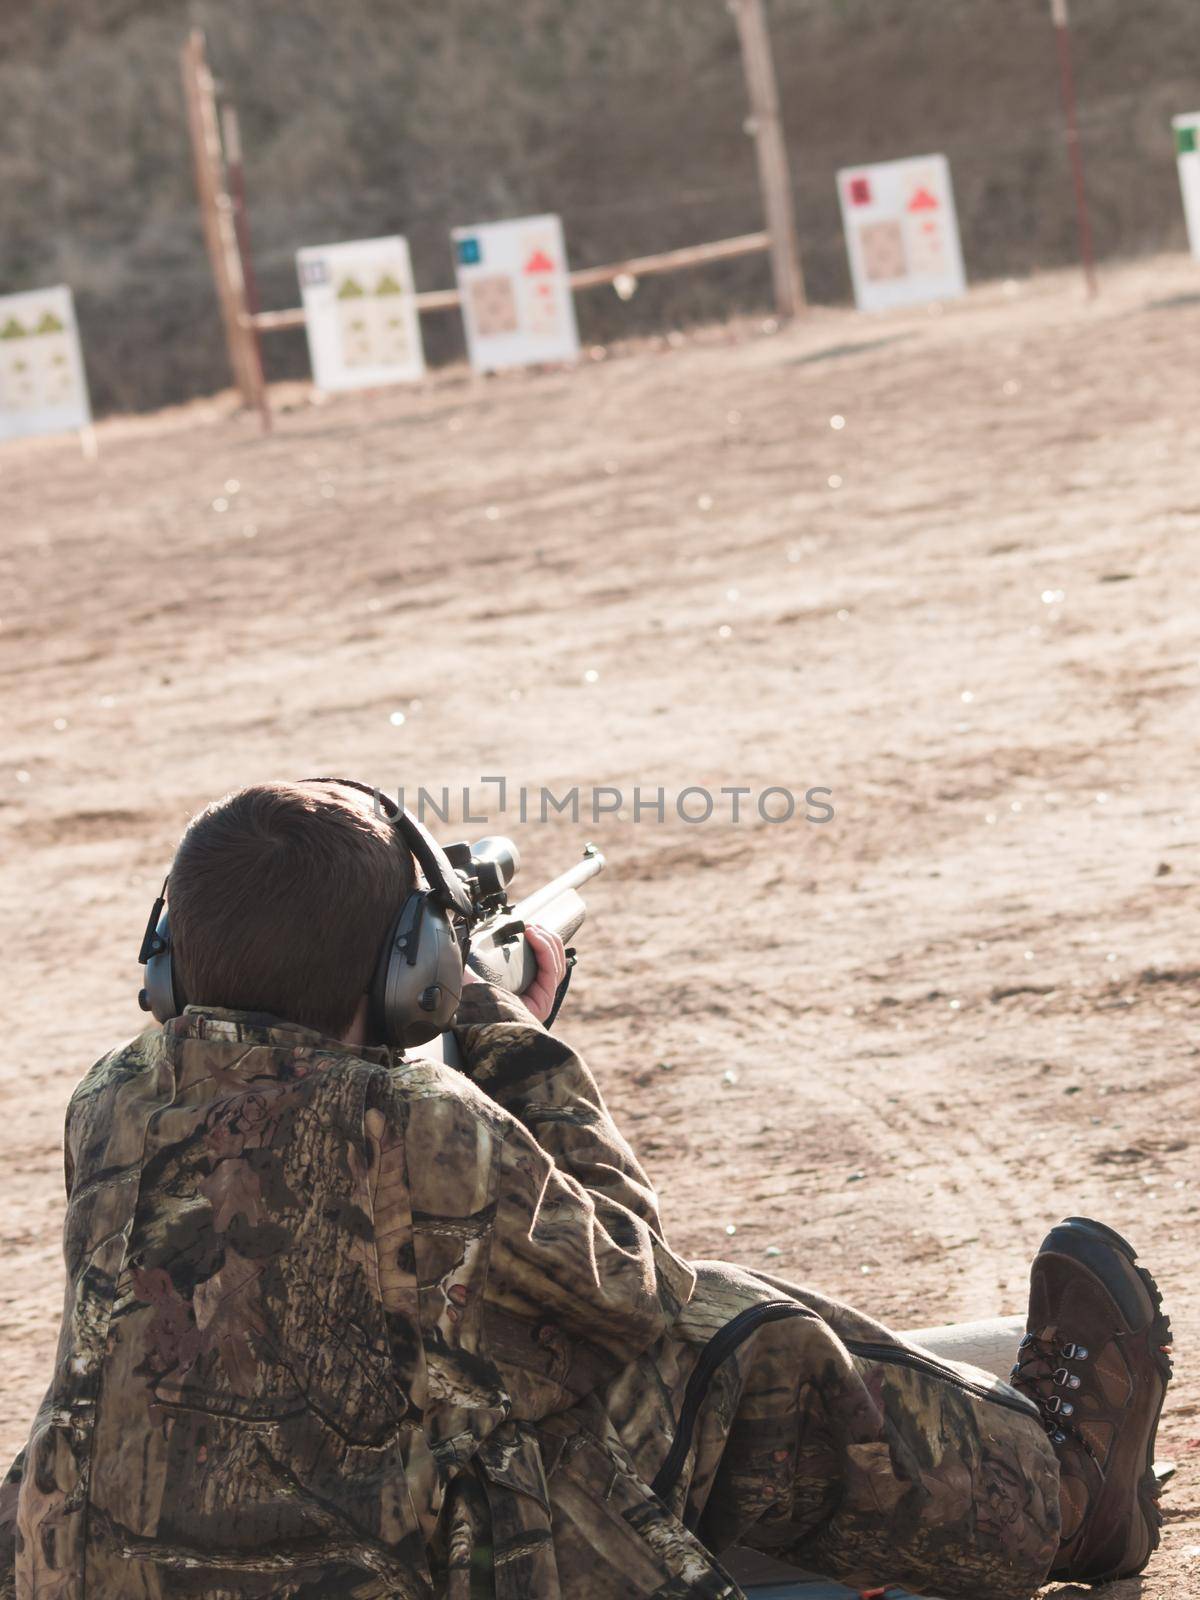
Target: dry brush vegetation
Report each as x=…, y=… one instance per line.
x=372, y=117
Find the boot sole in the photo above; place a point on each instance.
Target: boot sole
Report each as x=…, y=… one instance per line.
x=1146, y=1532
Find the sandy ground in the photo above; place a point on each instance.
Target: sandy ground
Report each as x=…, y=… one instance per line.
x=880, y=1054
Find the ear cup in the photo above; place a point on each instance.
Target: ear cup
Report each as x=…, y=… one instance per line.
x=418, y=980
x=160, y=996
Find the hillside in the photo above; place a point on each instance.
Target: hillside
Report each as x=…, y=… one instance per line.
x=373, y=117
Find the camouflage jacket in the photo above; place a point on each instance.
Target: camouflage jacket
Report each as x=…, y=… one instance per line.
x=339, y=1325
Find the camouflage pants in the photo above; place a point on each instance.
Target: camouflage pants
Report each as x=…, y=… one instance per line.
x=777, y=1419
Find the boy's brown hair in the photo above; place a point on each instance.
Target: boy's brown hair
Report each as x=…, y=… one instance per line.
x=280, y=897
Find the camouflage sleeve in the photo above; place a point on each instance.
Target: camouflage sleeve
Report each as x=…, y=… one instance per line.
x=9, y=1490
x=68, y=1156
x=10, y=1485
x=565, y=1285
x=550, y=1090
x=577, y=1286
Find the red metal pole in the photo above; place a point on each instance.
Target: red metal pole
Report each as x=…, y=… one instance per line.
x=1058, y=12
x=241, y=228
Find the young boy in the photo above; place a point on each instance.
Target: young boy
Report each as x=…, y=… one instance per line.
x=340, y=1323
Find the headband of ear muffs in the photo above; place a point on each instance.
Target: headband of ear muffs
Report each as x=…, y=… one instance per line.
x=443, y=881
x=417, y=982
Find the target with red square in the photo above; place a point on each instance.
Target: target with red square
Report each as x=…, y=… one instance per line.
x=901, y=232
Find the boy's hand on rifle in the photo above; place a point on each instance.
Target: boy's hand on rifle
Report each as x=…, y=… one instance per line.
x=552, y=969
x=551, y=955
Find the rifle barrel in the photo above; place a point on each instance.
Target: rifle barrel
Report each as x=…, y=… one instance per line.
x=591, y=863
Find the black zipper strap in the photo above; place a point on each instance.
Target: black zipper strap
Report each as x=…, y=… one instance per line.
x=718, y=1349
x=900, y=1355
x=726, y=1340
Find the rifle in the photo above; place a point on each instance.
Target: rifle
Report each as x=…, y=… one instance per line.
x=499, y=950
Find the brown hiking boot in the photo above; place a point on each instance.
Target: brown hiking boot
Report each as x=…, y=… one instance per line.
x=1094, y=1361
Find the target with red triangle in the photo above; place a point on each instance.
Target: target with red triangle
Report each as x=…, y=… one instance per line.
x=923, y=200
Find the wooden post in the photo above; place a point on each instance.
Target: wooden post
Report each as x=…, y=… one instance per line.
x=241, y=224
x=216, y=217
x=773, y=174
x=1062, y=33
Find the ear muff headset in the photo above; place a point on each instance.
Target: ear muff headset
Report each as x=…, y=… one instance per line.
x=417, y=982
x=418, y=977
x=158, y=993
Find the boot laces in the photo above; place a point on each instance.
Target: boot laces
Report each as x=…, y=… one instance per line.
x=1043, y=1373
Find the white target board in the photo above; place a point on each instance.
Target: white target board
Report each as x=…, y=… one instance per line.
x=1187, y=152
x=517, y=305
x=901, y=232
x=43, y=387
x=360, y=313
